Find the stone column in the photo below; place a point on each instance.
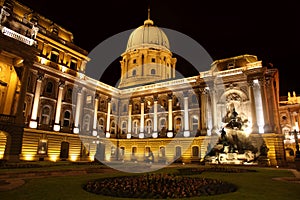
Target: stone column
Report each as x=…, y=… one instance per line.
x=129, y=120
x=56, y=126
x=186, y=132
x=253, y=107
x=142, y=134
x=265, y=102
x=214, y=130
x=273, y=105
x=155, y=133
x=170, y=117
x=76, y=128
x=204, y=110
x=107, y=135
x=95, y=132
x=33, y=122
x=19, y=114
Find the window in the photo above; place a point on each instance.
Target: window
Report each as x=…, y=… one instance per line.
x=153, y=71
x=113, y=151
x=124, y=127
x=177, y=151
x=148, y=126
x=124, y=108
x=54, y=56
x=195, y=123
x=114, y=109
x=134, y=61
x=69, y=94
x=153, y=60
x=133, y=72
x=86, y=122
x=101, y=125
x=45, y=115
x=194, y=99
x=113, y=127
x=67, y=116
x=147, y=151
x=88, y=99
x=42, y=147
x=133, y=152
x=162, y=152
x=49, y=87
x=195, y=151
x=73, y=64
x=122, y=151
x=178, y=125
x=135, y=127
x=162, y=123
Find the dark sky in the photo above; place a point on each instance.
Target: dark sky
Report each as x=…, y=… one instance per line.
x=267, y=29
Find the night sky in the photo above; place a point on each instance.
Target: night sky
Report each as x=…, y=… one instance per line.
x=267, y=29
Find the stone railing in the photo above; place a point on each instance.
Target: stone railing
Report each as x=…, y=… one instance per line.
x=17, y=36
x=7, y=119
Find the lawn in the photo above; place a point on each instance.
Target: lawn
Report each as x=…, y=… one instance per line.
x=251, y=185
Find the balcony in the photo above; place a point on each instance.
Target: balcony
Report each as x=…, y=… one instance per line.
x=17, y=36
x=8, y=119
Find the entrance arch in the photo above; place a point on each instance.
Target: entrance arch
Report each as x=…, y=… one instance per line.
x=64, y=150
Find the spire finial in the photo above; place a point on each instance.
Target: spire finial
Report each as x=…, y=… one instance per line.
x=148, y=21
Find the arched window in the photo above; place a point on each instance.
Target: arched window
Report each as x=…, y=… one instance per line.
x=162, y=123
x=101, y=125
x=49, y=87
x=46, y=115
x=124, y=127
x=67, y=116
x=178, y=124
x=112, y=127
x=135, y=126
x=153, y=72
x=86, y=122
x=148, y=126
x=134, y=72
x=195, y=151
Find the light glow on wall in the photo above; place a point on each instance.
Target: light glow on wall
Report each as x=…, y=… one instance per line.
x=29, y=157
x=56, y=127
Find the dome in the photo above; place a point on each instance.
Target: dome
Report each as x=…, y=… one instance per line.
x=148, y=36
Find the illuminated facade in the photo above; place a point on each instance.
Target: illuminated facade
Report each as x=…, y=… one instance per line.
x=50, y=110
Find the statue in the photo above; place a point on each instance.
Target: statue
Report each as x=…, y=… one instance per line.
x=34, y=31
x=234, y=123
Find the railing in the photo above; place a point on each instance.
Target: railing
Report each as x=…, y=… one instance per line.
x=7, y=118
x=17, y=36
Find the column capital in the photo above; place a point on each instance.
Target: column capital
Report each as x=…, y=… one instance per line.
x=170, y=95
x=155, y=97
x=61, y=84
x=185, y=93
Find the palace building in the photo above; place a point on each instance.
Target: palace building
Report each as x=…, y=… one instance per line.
x=51, y=110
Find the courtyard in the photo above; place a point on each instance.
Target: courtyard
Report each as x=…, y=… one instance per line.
x=64, y=180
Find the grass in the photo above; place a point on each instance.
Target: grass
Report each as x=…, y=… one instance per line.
x=251, y=185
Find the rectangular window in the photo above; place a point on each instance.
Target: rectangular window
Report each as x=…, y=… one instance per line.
x=42, y=148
